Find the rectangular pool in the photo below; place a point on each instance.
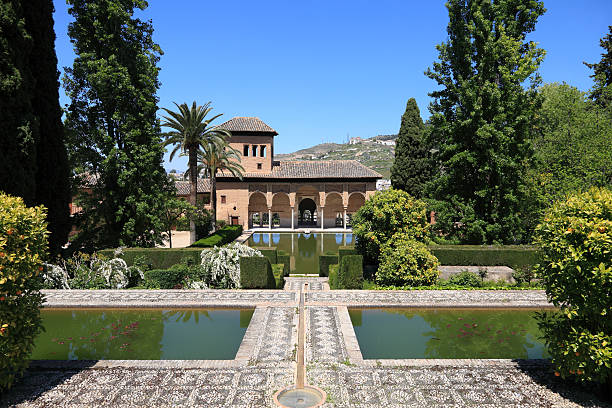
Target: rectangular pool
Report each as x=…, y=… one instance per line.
x=141, y=334
x=446, y=333
x=304, y=249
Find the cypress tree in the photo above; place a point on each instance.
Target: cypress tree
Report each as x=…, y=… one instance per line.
x=410, y=170
x=601, y=92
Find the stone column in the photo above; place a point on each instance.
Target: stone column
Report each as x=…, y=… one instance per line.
x=292, y=218
x=322, y=219
x=344, y=219
x=269, y=218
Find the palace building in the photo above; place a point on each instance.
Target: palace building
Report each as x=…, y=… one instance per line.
x=287, y=194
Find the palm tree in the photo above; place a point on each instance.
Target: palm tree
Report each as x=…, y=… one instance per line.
x=190, y=133
x=216, y=158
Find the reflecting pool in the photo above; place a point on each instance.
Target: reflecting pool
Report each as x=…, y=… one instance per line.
x=141, y=334
x=303, y=248
x=447, y=333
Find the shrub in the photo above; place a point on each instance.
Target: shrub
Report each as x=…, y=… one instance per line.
x=270, y=253
x=158, y=258
x=514, y=256
x=221, y=266
x=576, y=242
x=346, y=250
x=385, y=214
x=466, y=278
x=279, y=275
x=23, y=245
x=324, y=262
x=256, y=273
x=405, y=262
x=333, y=276
x=524, y=275
x=223, y=236
x=284, y=258
x=350, y=272
x=166, y=278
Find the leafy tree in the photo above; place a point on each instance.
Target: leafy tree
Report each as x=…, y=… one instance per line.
x=575, y=238
x=33, y=161
x=190, y=133
x=410, y=171
x=115, y=135
x=571, y=144
x=481, y=116
x=602, y=73
x=219, y=158
x=174, y=210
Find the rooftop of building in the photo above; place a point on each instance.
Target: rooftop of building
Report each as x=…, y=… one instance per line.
x=323, y=169
x=246, y=124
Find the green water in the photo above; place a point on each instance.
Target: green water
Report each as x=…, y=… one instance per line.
x=141, y=334
x=303, y=248
x=444, y=333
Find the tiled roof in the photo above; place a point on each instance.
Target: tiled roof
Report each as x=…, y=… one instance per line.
x=324, y=169
x=246, y=124
x=184, y=187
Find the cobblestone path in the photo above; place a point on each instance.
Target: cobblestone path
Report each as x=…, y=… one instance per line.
x=265, y=362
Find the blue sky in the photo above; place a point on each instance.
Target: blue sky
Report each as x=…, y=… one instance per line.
x=318, y=70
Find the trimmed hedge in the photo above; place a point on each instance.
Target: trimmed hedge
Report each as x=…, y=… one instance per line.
x=325, y=261
x=279, y=275
x=269, y=252
x=256, y=273
x=346, y=250
x=333, y=276
x=223, y=236
x=284, y=258
x=350, y=272
x=166, y=278
x=160, y=258
x=514, y=256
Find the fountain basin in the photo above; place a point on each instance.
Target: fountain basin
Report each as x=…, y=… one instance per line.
x=307, y=397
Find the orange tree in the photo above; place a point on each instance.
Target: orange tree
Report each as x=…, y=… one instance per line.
x=23, y=243
x=576, y=270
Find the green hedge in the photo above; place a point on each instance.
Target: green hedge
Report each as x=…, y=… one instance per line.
x=513, y=256
x=223, y=236
x=333, y=276
x=325, y=261
x=269, y=252
x=350, y=272
x=256, y=273
x=160, y=258
x=346, y=250
x=166, y=278
x=284, y=258
x=279, y=275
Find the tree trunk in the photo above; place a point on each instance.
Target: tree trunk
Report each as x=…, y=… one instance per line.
x=213, y=198
x=193, y=191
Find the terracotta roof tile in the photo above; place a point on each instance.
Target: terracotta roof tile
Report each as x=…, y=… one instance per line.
x=338, y=169
x=246, y=124
x=183, y=187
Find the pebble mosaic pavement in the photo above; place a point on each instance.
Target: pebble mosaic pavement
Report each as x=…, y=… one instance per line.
x=267, y=358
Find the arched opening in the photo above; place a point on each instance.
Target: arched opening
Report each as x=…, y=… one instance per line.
x=334, y=210
x=281, y=210
x=258, y=210
x=307, y=212
x=356, y=200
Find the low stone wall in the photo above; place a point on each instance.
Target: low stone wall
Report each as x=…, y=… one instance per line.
x=494, y=273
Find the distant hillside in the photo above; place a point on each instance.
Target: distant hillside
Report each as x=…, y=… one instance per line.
x=368, y=152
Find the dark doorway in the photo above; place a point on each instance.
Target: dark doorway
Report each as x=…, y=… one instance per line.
x=235, y=220
x=307, y=213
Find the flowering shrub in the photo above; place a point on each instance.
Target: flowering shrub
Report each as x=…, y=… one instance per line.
x=385, y=214
x=84, y=271
x=23, y=246
x=220, y=267
x=405, y=261
x=576, y=271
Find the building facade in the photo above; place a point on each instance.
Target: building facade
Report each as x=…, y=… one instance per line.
x=288, y=194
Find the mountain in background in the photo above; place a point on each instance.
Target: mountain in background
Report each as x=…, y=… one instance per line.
x=375, y=152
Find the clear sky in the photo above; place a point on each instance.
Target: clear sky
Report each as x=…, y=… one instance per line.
x=320, y=70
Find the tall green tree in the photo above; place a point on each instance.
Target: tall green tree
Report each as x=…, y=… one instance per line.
x=602, y=73
x=33, y=162
x=191, y=133
x=215, y=158
x=115, y=135
x=482, y=114
x=411, y=170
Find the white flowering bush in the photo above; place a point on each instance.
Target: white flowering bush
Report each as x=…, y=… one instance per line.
x=84, y=271
x=220, y=267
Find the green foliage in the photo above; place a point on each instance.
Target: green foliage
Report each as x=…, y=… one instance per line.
x=23, y=245
x=324, y=263
x=576, y=241
x=114, y=133
x=405, y=261
x=269, y=252
x=384, y=214
x=571, y=144
x=256, y=273
x=411, y=168
x=350, y=272
x=171, y=278
x=601, y=93
x=284, y=258
x=481, y=119
x=346, y=250
x=157, y=258
x=333, y=276
x=33, y=161
x=279, y=275
x=465, y=278
x=223, y=236
x=173, y=210
x=513, y=256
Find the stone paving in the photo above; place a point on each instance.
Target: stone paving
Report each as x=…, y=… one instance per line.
x=265, y=361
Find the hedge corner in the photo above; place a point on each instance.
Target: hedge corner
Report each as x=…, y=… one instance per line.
x=256, y=273
x=350, y=272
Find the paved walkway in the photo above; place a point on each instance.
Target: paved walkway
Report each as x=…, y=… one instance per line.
x=266, y=359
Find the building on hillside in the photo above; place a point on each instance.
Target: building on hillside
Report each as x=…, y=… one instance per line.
x=288, y=194
x=386, y=142
x=382, y=185
x=355, y=140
